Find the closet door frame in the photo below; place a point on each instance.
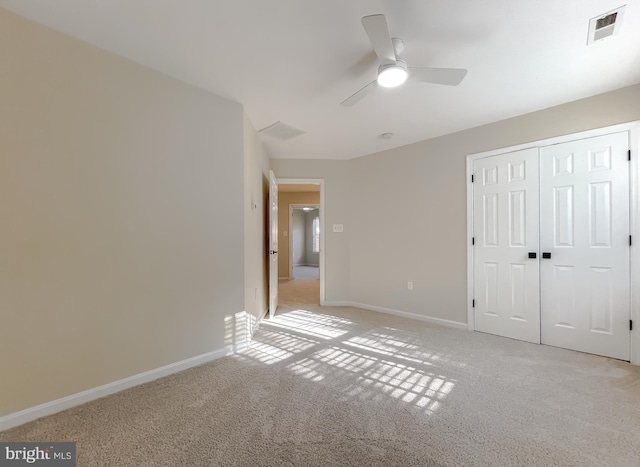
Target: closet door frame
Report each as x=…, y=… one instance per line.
x=634, y=187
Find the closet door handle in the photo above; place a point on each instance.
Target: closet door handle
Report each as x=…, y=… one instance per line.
x=532, y=255
x=546, y=255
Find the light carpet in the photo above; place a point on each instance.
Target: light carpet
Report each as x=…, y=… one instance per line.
x=306, y=273
x=343, y=386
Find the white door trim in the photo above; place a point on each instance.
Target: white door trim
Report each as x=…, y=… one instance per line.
x=634, y=143
x=634, y=206
x=314, y=181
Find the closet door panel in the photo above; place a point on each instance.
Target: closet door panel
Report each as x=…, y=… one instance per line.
x=506, y=279
x=584, y=228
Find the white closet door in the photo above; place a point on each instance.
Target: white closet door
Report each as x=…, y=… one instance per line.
x=506, y=279
x=584, y=226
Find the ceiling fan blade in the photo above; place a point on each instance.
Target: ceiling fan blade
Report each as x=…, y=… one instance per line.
x=376, y=28
x=349, y=101
x=448, y=76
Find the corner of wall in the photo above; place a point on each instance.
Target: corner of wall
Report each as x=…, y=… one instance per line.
x=255, y=170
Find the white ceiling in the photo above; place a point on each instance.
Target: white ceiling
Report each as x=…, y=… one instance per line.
x=295, y=61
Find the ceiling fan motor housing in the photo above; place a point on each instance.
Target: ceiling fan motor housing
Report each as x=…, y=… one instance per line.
x=398, y=45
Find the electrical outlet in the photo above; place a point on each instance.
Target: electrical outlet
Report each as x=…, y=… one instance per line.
x=410, y=285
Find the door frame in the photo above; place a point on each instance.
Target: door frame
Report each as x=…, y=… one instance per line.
x=313, y=181
x=290, y=239
x=634, y=222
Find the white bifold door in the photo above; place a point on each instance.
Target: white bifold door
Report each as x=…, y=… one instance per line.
x=584, y=232
x=551, y=253
x=506, y=279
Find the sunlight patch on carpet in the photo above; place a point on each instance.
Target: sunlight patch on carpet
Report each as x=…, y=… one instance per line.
x=366, y=364
x=324, y=326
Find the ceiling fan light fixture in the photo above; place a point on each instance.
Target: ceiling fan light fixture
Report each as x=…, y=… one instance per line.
x=393, y=72
x=391, y=76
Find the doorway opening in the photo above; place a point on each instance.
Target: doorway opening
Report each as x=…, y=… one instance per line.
x=301, y=235
x=304, y=242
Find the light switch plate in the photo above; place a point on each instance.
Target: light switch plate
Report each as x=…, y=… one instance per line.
x=338, y=228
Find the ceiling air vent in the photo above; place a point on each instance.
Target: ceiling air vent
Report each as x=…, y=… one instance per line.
x=281, y=131
x=605, y=25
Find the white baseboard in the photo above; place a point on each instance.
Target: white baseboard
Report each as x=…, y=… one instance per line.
x=404, y=314
x=337, y=303
x=58, y=405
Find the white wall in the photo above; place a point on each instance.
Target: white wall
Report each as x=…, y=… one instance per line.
x=121, y=198
x=404, y=210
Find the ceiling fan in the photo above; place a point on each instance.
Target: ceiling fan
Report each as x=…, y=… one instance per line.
x=394, y=71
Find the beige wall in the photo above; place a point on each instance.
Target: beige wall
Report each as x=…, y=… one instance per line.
x=256, y=192
x=284, y=200
x=121, y=199
x=404, y=210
